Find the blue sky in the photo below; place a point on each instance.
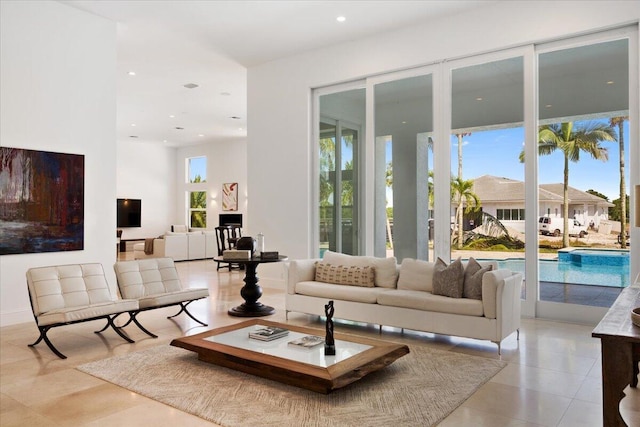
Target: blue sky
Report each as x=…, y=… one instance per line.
x=197, y=166
x=496, y=153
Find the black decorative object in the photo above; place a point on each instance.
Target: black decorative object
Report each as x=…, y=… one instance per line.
x=246, y=243
x=329, y=343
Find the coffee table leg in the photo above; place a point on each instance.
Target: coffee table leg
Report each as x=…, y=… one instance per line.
x=251, y=293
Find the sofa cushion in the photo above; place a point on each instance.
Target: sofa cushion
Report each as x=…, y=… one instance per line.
x=386, y=272
x=448, y=280
x=473, y=273
x=344, y=275
x=179, y=228
x=416, y=275
x=426, y=301
x=339, y=292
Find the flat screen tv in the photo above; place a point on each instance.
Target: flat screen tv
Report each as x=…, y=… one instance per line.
x=129, y=213
x=230, y=219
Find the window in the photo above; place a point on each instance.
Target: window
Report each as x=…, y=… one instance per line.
x=510, y=214
x=197, y=169
x=197, y=209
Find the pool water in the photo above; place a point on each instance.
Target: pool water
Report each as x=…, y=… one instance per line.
x=616, y=276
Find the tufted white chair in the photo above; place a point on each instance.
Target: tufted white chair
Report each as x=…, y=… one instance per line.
x=154, y=283
x=66, y=294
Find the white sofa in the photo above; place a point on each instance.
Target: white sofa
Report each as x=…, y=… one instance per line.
x=180, y=246
x=402, y=296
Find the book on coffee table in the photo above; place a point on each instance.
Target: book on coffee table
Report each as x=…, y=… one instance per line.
x=268, y=333
x=308, y=341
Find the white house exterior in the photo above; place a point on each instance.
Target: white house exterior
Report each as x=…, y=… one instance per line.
x=504, y=199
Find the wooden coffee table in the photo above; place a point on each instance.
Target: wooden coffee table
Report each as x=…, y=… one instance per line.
x=231, y=347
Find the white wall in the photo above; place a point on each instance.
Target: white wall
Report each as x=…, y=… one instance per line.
x=58, y=93
x=279, y=93
x=147, y=171
x=226, y=162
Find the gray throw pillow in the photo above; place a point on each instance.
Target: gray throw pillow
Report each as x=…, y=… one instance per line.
x=472, y=287
x=448, y=280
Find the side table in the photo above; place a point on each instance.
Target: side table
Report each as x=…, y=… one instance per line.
x=251, y=291
x=620, y=339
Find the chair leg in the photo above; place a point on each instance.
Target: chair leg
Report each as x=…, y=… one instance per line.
x=132, y=318
x=115, y=328
x=103, y=329
x=43, y=336
x=183, y=307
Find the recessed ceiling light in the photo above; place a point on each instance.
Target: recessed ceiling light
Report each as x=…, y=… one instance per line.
x=479, y=98
x=131, y=73
x=164, y=140
x=133, y=124
x=548, y=106
x=235, y=117
x=341, y=19
x=179, y=128
x=200, y=134
x=610, y=82
x=172, y=116
x=191, y=85
x=404, y=122
x=225, y=93
x=133, y=136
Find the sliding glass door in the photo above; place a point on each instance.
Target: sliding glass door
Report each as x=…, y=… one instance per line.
x=520, y=156
x=339, y=130
x=583, y=168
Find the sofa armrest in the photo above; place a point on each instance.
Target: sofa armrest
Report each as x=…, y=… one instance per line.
x=493, y=283
x=300, y=270
x=158, y=247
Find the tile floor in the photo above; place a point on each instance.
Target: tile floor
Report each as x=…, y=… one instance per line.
x=553, y=376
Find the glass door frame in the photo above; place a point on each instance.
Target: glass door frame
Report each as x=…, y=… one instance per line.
x=576, y=312
x=528, y=307
x=370, y=161
x=358, y=164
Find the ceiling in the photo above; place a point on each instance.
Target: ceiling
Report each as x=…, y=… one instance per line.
x=170, y=44
x=210, y=43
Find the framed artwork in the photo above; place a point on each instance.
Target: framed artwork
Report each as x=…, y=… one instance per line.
x=41, y=201
x=230, y=196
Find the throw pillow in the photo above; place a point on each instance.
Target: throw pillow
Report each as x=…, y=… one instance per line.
x=472, y=287
x=386, y=272
x=448, y=280
x=345, y=275
x=416, y=275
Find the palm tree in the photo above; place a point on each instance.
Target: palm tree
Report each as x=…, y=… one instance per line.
x=586, y=137
x=460, y=136
x=619, y=122
x=462, y=191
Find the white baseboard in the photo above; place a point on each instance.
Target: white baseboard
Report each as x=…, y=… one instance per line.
x=16, y=317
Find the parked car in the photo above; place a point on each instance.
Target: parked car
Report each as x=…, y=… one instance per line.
x=555, y=227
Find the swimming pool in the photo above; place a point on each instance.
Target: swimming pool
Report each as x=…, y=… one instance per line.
x=596, y=257
x=602, y=274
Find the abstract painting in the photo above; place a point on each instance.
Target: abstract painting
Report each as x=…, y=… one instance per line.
x=41, y=201
x=230, y=196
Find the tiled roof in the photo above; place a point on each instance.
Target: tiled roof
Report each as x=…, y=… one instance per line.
x=491, y=188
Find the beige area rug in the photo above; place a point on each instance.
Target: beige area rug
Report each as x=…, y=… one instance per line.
x=419, y=389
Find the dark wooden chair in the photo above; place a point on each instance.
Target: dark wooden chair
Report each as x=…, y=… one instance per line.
x=235, y=234
x=225, y=240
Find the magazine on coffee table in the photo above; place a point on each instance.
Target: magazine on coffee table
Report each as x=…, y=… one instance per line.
x=268, y=333
x=308, y=341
